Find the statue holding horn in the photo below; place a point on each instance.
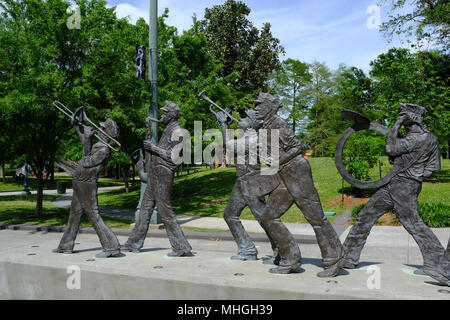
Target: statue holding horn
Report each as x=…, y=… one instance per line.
x=415, y=157
x=160, y=174
x=84, y=182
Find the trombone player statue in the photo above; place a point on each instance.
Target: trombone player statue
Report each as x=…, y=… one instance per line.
x=414, y=158
x=84, y=182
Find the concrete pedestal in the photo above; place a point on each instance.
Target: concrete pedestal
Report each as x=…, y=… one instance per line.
x=29, y=270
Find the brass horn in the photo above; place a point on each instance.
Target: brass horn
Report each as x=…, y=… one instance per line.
x=83, y=118
x=203, y=96
x=360, y=122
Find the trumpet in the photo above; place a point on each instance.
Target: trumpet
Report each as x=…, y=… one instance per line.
x=79, y=119
x=203, y=96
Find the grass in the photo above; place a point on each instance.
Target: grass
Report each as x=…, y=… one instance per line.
x=206, y=193
x=20, y=209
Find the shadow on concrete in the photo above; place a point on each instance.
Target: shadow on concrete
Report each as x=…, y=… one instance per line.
x=152, y=249
x=367, y=263
x=440, y=284
x=87, y=250
x=313, y=261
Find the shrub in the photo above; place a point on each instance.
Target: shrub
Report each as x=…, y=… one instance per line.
x=434, y=215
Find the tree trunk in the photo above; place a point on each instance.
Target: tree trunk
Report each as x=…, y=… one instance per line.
x=224, y=142
x=3, y=173
x=125, y=173
x=52, y=171
x=293, y=109
x=39, y=191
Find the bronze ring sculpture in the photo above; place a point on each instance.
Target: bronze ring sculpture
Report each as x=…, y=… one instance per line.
x=360, y=123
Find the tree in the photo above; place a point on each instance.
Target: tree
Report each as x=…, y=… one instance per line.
x=239, y=46
x=421, y=78
x=323, y=109
x=424, y=19
x=355, y=92
x=289, y=83
x=43, y=60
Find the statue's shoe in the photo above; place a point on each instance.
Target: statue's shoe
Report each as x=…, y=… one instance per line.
x=333, y=270
x=58, y=250
x=272, y=260
x=245, y=257
x=348, y=265
x=128, y=248
x=180, y=254
x=437, y=274
x=109, y=254
x=285, y=269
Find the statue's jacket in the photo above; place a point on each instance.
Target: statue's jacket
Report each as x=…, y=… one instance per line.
x=162, y=154
x=415, y=154
x=93, y=162
x=289, y=146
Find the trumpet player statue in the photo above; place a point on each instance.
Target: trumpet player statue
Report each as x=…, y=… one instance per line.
x=297, y=184
x=161, y=169
x=84, y=182
x=416, y=156
x=243, y=193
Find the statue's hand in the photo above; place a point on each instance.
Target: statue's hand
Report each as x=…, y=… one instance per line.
x=402, y=118
x=148, y=145
x=222, y=117
x=136, y=156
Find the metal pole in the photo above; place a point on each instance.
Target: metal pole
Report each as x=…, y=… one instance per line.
x=153, y=76
x=153, y=65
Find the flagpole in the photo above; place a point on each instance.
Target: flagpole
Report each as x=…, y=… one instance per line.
x=153, y=77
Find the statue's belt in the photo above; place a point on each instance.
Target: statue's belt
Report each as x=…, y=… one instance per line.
x=256, y=185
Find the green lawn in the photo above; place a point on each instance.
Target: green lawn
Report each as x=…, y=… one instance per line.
x=206, y=194
x=21, y=210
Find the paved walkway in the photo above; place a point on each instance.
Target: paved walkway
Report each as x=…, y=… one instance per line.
x=68, y=191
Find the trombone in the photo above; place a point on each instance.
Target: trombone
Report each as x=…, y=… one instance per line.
x=78, y=119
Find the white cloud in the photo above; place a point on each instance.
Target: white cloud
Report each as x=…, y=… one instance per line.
x=124, y=10
x=331, y=31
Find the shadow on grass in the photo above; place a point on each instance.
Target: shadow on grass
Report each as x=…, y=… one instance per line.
x=206, y=194
x=442, y=176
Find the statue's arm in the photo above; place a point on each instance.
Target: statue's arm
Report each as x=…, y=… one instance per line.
x=166, y=154
x=291, y=145
x=85, y=139
x=434, y=162
x=396, y=146
x=141, y=170
x=97, y=157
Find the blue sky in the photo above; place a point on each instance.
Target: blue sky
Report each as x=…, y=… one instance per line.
x=330, y=31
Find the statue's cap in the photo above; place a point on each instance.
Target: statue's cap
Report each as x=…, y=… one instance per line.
x=171, y=106
x=263, y=96
x=413, y=108
x=111, y=126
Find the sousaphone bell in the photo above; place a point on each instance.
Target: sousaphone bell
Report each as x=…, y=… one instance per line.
x=360, y=123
